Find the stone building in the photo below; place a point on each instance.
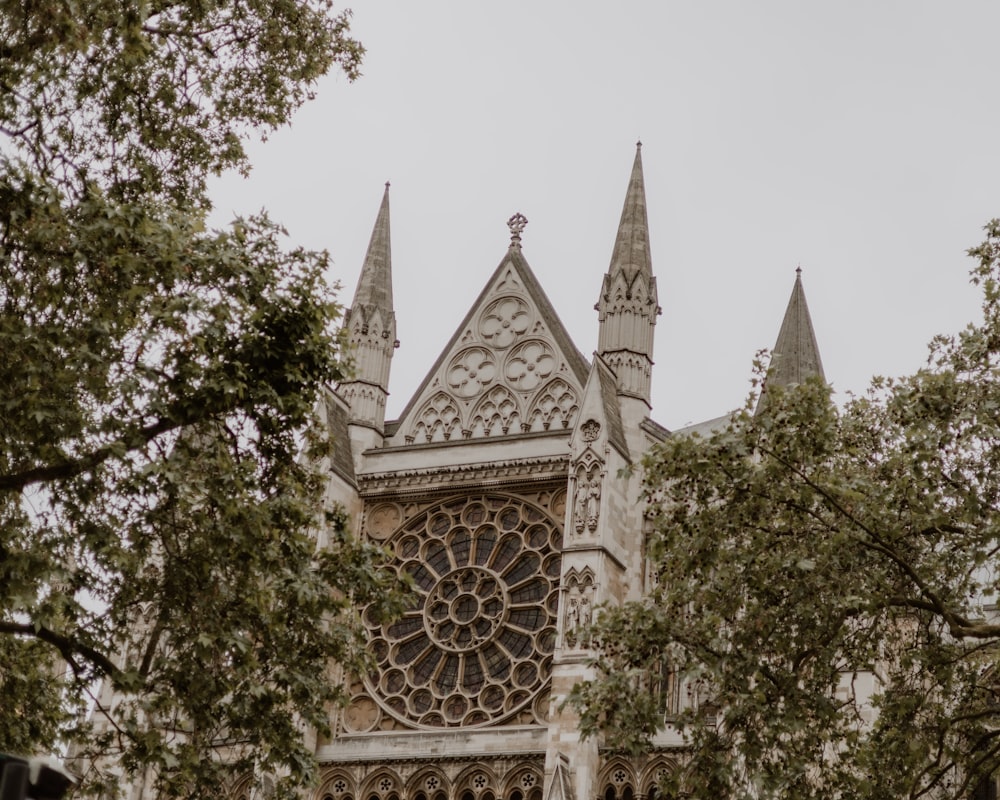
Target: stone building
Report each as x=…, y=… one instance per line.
x=502, y=491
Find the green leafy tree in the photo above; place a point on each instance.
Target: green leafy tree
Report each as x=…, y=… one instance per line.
x=160, y=459
x=830, y=577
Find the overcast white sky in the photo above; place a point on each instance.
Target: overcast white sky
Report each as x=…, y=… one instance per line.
x=858, y=139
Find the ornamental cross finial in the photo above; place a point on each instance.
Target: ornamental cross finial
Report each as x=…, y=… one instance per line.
x=516, y=224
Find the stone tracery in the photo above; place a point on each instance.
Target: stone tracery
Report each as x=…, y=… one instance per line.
x=476, y=648
x=496, y=414
x=554, y=406
x=504, y=321
x=529, y=364
x=471, y=371
x=438, y=419
x=509, y=779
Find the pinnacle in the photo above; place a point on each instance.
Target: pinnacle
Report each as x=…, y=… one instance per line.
x=796, y=353
x=375, y=282
x=631, y=253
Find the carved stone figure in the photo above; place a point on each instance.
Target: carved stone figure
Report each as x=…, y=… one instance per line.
x=584, y=610
x=580, y=504
x=573, y=615
x=593, y=503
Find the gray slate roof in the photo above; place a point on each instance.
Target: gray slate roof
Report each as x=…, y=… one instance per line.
x=612, y=409
x=337, y=418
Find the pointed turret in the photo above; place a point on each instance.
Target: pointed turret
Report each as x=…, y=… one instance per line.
x=628, y=307
x=631, y=254
x=371, y=326
x=796, y=354
x=375, y=282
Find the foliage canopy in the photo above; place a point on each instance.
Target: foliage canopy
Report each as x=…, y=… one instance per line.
x=158, y=385
x=831, y=576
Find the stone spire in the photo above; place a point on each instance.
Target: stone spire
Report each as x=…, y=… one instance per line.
x=796, y=354
x=375, y=282
x=631, y=254
x=370, y=323
x=628, y=307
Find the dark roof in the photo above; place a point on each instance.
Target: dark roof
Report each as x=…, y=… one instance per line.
x=612, y=410
x=337, y=417
x=655, y=429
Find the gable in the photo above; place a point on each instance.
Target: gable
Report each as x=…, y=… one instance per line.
x=510, y=368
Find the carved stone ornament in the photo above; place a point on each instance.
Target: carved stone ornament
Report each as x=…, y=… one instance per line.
x=590, y=429
x=529, y=364
x=471, y=371
x=504, y=321
x=361, y=715
x=462, y=475
x=516, y=224
x=383, y=520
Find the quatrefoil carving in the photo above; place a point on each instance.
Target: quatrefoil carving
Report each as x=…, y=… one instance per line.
x=471, y=371
x=504, y=321
x=529, y=365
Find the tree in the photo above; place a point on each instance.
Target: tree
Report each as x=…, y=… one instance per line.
x=160, y=457
x=805, y=550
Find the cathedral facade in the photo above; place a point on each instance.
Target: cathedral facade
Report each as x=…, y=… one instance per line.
x=507, y=491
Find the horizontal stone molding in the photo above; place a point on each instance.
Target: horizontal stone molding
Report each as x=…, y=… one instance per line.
x=485, y=475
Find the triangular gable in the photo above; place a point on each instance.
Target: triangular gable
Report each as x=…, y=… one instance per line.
x=510, y=368
x=600, y=419
x=560, y=785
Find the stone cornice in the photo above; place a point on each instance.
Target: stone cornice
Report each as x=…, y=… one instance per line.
x=481, y=475
x=520, y=756
x=512, y=438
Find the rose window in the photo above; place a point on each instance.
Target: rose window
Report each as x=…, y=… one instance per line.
x=476, y=647
x=471, y=371
x=504, y=321
x=529, y=365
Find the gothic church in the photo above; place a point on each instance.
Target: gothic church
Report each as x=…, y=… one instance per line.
x=500, y=491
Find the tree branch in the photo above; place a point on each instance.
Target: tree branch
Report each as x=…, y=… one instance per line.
x=66, y=646
x=18, y=481
x=958, y=625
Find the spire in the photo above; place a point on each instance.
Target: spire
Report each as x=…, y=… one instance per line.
x=370, y=323
x=375, y=282
x=631, y=253
x=795, y=357
x=796, y=354
x=628, y=306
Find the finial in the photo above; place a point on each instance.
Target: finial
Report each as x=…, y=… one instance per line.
x=798, y=271
x=516, y=224
x=638, y=143
x=387, y=184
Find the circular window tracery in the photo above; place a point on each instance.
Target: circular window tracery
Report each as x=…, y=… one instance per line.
x=476, y=647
